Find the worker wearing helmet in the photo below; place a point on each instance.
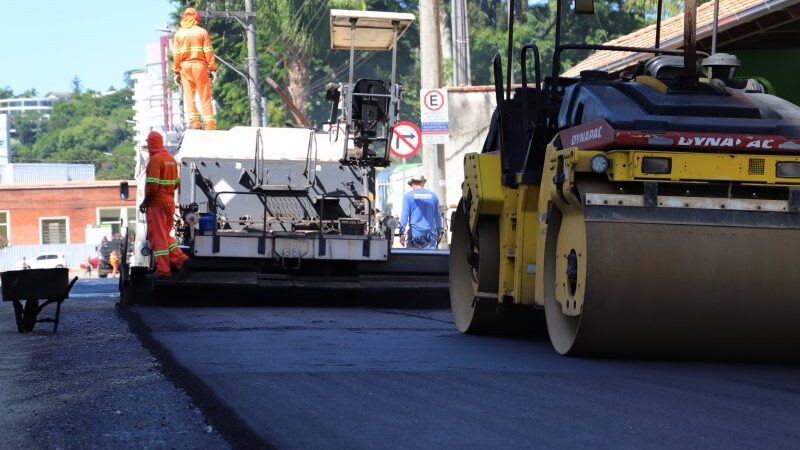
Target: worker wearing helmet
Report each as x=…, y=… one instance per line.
x=195, y=67
x=159, y=204
x=420, y=222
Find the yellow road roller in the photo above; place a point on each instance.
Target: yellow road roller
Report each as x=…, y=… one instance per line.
x=656, y=212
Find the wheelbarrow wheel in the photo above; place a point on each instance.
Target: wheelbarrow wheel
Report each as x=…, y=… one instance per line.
x=30, y=314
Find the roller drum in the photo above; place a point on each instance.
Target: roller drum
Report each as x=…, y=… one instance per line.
x=680, y=282
x=474, y=280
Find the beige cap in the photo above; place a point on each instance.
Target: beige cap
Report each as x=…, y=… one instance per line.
x=417, y=178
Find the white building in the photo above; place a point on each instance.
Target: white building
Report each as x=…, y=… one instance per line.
x=5, y=140
x=155, y=106
x=24, y=105
x=34, y=173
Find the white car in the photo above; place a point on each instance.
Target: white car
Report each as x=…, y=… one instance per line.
x=49, y=261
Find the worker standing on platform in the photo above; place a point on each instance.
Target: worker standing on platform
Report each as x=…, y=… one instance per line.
x=420, y=222
x=195, y=68
x=159, y=204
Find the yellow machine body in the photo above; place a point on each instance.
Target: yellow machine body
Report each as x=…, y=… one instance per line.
x=651, y=212
x=543, y=234
x=516, y=210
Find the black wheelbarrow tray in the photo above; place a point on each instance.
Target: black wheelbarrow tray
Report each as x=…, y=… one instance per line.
x=32, y=285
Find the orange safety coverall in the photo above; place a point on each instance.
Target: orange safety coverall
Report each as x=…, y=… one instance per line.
x=193, y=59
x=160, y=184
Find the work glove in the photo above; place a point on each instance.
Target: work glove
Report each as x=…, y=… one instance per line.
x=177, y=79
x=143, y=208
x=212, y=76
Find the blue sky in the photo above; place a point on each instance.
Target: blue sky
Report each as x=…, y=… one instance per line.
x=45, y=43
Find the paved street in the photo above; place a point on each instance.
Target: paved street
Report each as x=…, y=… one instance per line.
x=301, y=378
x=92, y=385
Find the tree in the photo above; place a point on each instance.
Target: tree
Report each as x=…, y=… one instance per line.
x=76, y=84
x=87, y=128
x=293, y=49
x=28, y=127
x=536, y=24
x=28, y=93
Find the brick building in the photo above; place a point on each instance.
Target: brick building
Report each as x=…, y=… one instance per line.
x=58, y=213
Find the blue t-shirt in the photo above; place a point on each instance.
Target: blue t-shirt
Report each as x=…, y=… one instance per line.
x=421, y=211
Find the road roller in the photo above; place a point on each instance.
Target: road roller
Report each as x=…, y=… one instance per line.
x=652, y=213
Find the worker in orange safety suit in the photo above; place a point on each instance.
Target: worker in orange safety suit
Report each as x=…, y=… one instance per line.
x=195, y=67
x=159, y=204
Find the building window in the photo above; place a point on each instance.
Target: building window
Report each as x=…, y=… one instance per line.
x=54, y=230
x=5, y=227
x=112, y=217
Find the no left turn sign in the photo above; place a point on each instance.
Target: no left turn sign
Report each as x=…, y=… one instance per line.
x=405, y=141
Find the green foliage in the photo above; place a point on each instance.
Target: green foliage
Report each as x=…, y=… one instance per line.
x=650, y=7
x=28, y=127
x=87, y=128
x=535, y=23
x=293, y=48
x=28, y=93
x=76, y=84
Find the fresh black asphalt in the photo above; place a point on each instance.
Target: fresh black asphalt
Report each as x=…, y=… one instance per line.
x=351, y=378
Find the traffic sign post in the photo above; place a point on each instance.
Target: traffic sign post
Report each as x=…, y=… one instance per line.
x=406, y=140
x=434, y=116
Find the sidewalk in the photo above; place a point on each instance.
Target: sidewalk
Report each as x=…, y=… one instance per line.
x=92, y=385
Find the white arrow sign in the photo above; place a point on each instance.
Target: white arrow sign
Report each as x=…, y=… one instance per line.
x=406, y=140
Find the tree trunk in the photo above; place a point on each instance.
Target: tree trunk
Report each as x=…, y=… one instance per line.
x=298, y=74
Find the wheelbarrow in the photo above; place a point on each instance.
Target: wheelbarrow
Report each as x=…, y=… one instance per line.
x=30, y=286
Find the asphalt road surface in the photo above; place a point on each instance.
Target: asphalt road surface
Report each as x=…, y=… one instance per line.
x=92, y=385
x=306, y=378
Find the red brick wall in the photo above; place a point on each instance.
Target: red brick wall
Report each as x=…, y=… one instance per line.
x=79, y=204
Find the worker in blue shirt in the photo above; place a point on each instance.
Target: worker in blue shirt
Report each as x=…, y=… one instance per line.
x=420, y=222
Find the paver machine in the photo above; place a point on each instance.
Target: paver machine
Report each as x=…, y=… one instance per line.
x=294, y=208
x=653, y=213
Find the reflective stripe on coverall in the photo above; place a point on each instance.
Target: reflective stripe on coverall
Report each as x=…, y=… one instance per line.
x=193, y=58
x=160, y=184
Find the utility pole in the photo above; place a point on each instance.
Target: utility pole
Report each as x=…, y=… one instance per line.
x=430, y=50
x=252, y=66
x=462, y=75
x=253, y=91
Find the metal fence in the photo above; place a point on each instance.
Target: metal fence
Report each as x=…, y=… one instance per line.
x=75, y=254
